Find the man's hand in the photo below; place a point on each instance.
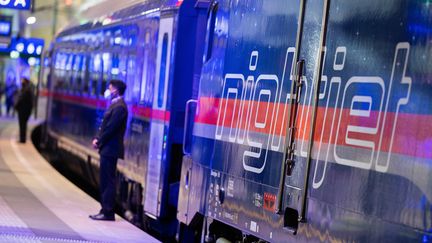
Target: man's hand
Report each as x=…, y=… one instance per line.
x=95, y=143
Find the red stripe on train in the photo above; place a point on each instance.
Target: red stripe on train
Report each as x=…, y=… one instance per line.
x=95, y=103
x=145, y=112
x=44, y=92
x=413, y=132
x=80, y=100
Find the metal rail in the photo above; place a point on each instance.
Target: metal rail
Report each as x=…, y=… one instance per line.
x=317, y=82
x=289, y=141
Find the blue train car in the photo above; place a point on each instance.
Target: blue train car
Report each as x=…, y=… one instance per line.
x=156, y=48
x=313, y=123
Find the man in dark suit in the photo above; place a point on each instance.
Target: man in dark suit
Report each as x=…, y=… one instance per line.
x=24, y=106
x=109, y=141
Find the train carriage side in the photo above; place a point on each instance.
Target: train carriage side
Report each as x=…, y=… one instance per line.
x=83, y=63
x=180, y=48
x=313, y=123
x=158, y=55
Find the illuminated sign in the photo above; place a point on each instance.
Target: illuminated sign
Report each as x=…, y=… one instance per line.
x=28, y=46
x=16, y=4
x=24, y=47
x=5, y=25
x=5, y=28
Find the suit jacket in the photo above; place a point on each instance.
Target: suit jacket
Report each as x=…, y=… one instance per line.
x=24, y=102
x=111, y=133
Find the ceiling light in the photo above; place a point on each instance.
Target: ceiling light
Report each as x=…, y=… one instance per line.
x=31, y=20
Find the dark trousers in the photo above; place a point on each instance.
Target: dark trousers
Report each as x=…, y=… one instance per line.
x=107, y=188
x=23, y=119
x=9, y=107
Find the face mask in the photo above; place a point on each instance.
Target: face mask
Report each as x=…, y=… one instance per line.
x=107, y=94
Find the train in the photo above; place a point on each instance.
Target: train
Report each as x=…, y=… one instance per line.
x=145, y=46
x=258, y=121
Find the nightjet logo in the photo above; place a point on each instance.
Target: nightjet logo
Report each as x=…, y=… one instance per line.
x=248, y=110
x=360, y=113
x=364, y=118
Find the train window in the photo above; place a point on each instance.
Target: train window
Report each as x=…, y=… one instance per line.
x=117, y=39
x=122, y=66
x=162, y=71
x=76, y=73
x=144, y=79
x=63, y=74
x=59, y=57
x=208, y=49
x=106, y=70
x=85, y=76
x=118, y=66
x=132, y=83
x=146, y=67
x=54, y=70
x=115, y=66
x=132, y=36
x=80, y=74
x=147, y=37
x=96, y=63
x=68, y=72
x=60, y=64
x=60, y=70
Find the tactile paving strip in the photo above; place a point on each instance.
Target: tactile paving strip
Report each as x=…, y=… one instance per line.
x=13, y=229
x=12, y=238
x=10, y=222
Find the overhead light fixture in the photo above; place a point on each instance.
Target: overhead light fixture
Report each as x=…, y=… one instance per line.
x=14, y=54
x=31, y=20
x=107, y=21
x=117, y=40
x=31, y=61
x=39, y=50
x=20, y=47
x=115, y=71
x=30, y=48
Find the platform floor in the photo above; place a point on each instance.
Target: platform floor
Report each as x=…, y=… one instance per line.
x=37, y=204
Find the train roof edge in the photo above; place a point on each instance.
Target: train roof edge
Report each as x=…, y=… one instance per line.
x=131, y=12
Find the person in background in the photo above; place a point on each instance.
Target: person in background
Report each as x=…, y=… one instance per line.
x=109, y=142
x=10, y=93
x=24, y=106
x=2, y=90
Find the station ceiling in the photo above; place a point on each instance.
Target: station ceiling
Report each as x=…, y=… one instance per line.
x=54, y=15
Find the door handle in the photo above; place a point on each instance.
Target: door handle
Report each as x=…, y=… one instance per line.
x=288, y=163
x=186, y=125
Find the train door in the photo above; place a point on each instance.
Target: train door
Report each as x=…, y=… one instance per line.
x=302, y=113
x=264, y=115
x=159, y=118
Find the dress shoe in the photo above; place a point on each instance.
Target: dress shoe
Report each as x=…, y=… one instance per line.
x=101, y=216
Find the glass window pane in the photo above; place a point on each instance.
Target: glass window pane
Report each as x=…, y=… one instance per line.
x=162, y=71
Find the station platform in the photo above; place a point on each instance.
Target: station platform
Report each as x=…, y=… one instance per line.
x=37, y=204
